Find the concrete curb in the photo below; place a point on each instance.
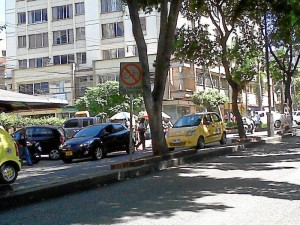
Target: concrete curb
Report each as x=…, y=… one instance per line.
x=144, y=167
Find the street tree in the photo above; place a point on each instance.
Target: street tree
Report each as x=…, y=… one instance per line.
x=222, y=33
x=283, y=32
x=153, y=97
x=211, y=99
x=105, y=100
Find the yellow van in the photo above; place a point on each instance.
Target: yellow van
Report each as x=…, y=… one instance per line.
x=10, y=164
x=196, y=130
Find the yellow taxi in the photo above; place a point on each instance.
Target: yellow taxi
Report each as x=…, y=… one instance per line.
x=10, y=163
x=196, y=130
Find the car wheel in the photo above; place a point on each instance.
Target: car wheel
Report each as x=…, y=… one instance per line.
x=67, y=160
x=8, y=174
x=54, y=154
x=277, y=124
x=97, y=153
x=223, y=140
x=200, y=143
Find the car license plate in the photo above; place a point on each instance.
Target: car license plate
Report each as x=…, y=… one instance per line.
x=68, y=153
x=176, y=141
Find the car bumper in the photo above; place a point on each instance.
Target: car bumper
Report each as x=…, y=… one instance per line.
x=78, y=153
x=182, y=141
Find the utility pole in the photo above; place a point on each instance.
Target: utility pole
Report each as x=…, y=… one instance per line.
x=270, y=120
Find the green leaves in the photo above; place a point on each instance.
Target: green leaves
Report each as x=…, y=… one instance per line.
x=8, y=121
x=210, y=99
x=105, y=100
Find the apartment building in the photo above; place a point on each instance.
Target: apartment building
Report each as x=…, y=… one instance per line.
x=61, y=47
x=53, y=43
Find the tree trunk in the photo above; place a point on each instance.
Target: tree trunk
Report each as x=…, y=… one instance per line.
x=153, y=99
x=288, y=97
x=235, y=93
x=236, y=112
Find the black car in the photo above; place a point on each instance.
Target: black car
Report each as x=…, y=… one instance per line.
x=96, y=141
x=49, y=137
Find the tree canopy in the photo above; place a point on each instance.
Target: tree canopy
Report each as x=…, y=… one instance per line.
x=210, y=99
x=105, y=100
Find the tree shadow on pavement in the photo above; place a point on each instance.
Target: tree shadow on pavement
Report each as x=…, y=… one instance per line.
x=165, y=193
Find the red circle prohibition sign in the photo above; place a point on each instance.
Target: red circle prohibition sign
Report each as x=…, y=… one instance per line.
x=129, y=77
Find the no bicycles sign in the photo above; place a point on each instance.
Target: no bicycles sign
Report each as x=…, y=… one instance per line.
x=130, y=77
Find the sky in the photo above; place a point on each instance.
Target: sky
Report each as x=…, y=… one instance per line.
x=2, y=22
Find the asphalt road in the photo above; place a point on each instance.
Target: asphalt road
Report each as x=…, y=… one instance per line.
x=54, y=171
x=257, y=186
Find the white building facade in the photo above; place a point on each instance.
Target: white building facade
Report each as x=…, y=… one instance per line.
x=61, y=47
x=43, y=34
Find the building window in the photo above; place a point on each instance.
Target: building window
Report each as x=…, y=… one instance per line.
x=23, y=64
x=81, y=57
x=37, y=16
x=22, y=41
x=38, y=62
x=26, y=89
x=38, y=40
x=79, y=8
x=41, y=88
x=34, y=89
x=111, y=5
x=63, y=37
x=62, y=12
x=22, y=18
x=112, y=30
x=63, y=59
x=114, y=53
x=80, y=33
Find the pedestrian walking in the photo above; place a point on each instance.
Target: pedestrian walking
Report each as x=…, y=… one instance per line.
x=142, y=131
x=22, y=146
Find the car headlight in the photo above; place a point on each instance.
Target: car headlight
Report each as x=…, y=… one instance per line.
x=190, y=133
x=86, y=144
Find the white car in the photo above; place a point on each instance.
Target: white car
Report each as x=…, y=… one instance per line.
x=296, y=117
x=263, y=118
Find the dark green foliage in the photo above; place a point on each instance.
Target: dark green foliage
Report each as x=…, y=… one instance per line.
x=105, y=100
x=9, y=121
x=210, y=99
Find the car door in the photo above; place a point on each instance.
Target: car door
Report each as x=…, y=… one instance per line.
x=218, y=125
x=46, y=137
x=109, y=138
x=208, y=128
x=121, y=135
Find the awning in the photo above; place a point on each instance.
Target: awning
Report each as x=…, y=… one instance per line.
x=12, y=101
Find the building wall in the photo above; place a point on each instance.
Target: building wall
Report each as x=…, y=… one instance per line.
x=93, y=45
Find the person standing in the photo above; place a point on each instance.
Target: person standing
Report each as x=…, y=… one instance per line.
x=142, y=131
x=22, y=144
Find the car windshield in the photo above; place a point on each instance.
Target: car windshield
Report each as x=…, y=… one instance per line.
x=188, y=121
x=91, y=131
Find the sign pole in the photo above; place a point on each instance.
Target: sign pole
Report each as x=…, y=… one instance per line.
x=131, y=147
x=131, y=75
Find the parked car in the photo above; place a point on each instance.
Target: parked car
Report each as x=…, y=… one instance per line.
x=96, y=141
x=49, y=137
x=196, y=130
x=73, y=125
x=10, y=164
x=296, y=117
x=263, y=118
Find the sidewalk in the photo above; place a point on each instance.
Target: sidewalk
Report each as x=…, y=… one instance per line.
x=135, y=168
